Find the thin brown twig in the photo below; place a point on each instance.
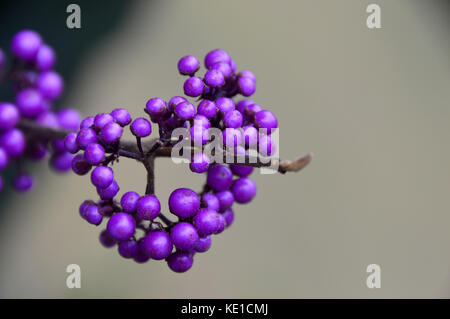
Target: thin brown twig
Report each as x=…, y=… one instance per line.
x=130, y=149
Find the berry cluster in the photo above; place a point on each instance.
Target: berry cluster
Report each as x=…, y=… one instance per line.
x=36, y=87
x=136, y=224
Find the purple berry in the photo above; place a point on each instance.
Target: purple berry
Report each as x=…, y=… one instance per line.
x=101, y=120
x=13, y=142
x=148, y=207
x=233, y=119
x=203, y=244
x=48, y=118
x=244, y=189
x=111, y=132
x=228, y=214
x=69, y=119
x=250, y=135
x=240, y=106
x=184, y=236
x=201, y=120
x=129, y=201
x=84, y=205
x=216, y=56
x=225, y=104
x=223, y=68
x=156, y=107
x=128, y=249
x=222, y=224
x=25, y=44
x=85, y=137
x=251, y=110
x=9, y=116
x=88, y=122
x=94, y=154
x=29, y=102
x=207, y=108
x=80, y=166
x=233, y=66
x=246, y=86
x=93, y=215
x=50, y=84
x=174, y=101
x=225, y=198
x=141, y=127
x=102, y=176
x=232, y=137
x=70, y=143
x=219, y=177
x=200, y=163
x=180, y=261
x=185, y=110
x=142, y=255
x=121, y=116
x=241, y=170
x=247, y=74
x=206, y=221
x=61, y=162
x=266, y=120
x=3, y=159
x=109, y=192
x=121, y=226
x=210, y=201
x=157, y=245
x=199, y=135
x=188, y=65
x=184, y=202
x=106, y=240
x=23, y=182
x=214, y=78
x=45, y=58
x=58, y=145
x=193, y=86
x=266, y=146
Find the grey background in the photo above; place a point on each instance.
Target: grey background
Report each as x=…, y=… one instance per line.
x=373, y=106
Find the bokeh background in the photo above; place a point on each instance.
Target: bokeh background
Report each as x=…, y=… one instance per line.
x=373, y=106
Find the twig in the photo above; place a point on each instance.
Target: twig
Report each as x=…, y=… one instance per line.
x=155, y=147
x=149, y=164
x=165, y=220
x=131, y=149
x=139, y=145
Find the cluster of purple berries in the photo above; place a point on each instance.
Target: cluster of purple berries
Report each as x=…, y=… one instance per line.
x=36, y=86
x=136, y=224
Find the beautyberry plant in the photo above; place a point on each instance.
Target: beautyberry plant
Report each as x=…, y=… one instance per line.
x=36, y=88
x=135, y=223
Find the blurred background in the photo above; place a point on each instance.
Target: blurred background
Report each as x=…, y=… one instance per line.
x=373, y=106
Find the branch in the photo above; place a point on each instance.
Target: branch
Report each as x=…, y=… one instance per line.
x=130, y=149
x=283, y=166
x=40, y=131
x=297, y=165
x=149, y=164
